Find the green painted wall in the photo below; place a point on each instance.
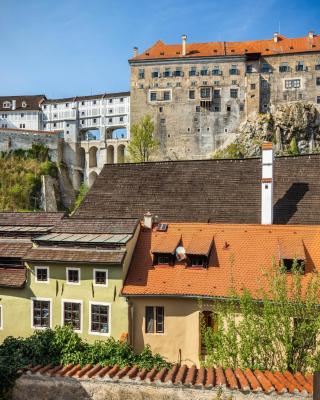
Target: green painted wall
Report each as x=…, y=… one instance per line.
x=16, y=303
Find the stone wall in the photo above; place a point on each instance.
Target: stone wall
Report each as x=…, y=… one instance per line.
x=47, y=388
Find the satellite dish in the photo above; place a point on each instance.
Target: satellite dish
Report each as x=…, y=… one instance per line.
x=181, y=253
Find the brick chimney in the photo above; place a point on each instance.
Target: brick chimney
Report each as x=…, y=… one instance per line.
x=267, y=184
x=184, y=44
x=275, y=37
x=135, y=51
x=148, y=220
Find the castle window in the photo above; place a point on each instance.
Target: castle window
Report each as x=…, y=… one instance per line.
x=285, y=96
x=284, y=67
x=193, y=83
x=318, y=81
x=197, y=108
x=110, y=101
x=318, y=99
x=153, y=96
x=94, y=102
x=67, y=104
x=205, y=93
x=253, y=86
x=110, y=111
x=193, y=71
x=121, y=119
x=82, y=103
x=249, y=69
x=216, y=109
x=216, y=70
x=178, y=84
x=216, y=93
x=161, y=109
x=292, y=83
x=141, y=86
x=300, y=66
x=167, y=73
x=317, y=66
x=233, y=93
x=110, y=120
x=234, y=70
x=141, y=73
x=265, y=68
x=234, y=82
x=22, y=115
x=300, y=96
x=6, y=104
x=24, y=104
x=155, y=74
x=178, y=72
x=204, y=71
x=191, y=94
x=54, y=106
x=94, y=120
x=264, y=84
x=166, y=95
x=241, y=107
x=22, y=126
x=162, y=121
x=228, y=108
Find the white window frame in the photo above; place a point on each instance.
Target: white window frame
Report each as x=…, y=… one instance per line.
x=36, y=274
x=99, y=303
x=63, y=301
x=41, y=299
x=72, y=268
x=94, y=277
x=6, y=104
x=1, y=317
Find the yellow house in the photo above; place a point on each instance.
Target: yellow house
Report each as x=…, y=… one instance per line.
x=71, y=274
x=180, y=270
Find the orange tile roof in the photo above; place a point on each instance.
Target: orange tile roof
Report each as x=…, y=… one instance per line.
x=239, y=256
x=160, y=50
x=189, y=377
x=200, y=245
x=166, y=243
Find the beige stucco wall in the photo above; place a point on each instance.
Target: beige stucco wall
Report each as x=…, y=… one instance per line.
x=180, y=341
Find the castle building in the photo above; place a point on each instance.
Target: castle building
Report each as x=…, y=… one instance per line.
x=75, y=120
x=199, y=93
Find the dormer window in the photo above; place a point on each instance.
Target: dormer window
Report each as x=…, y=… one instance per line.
x=292, y=254
x=24, y=104
x=164, y=249
x=6, y=104
x=198, y=251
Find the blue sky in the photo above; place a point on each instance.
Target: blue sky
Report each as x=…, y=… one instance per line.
x=78, y=47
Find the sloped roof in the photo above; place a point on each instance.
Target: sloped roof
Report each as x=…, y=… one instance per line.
x=75, y=255
x=32, y=102
x=14, y=248
x=238, y=259
x=12, y=277
x=30, y=218
x=161, y=50
x=247, y=380
x=103, y=226
x=227, y=191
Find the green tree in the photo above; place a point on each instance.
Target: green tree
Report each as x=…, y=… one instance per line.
x=142, y=143
x=280, y=330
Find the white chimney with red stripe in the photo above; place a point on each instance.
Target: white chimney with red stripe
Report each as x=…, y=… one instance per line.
x=267, y=184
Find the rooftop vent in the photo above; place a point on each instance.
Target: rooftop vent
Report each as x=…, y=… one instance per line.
x=184, y=44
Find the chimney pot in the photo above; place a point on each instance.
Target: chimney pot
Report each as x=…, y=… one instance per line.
x=148, y=220
x=267, y=184
x=275, y=37
x=135, y=51
x=13, y=104
x=311, y=34
x=184, y=42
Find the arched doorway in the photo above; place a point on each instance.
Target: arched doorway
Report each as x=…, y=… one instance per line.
x=120, y=153
x=110, y=155
x=93, y=157
x=92, y=177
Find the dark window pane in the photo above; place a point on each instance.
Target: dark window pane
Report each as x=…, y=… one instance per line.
x=42, y=274
x=101, y=278
x=159, y=319
x=72, y=312
x=149, y=320
x=99, y=318
x=73, y=275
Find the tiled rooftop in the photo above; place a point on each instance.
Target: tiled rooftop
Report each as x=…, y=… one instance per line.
x=22, y=219
x=75, y=255
x=32, y=102
x=161, y=50
x=239, y=256
x=227, y=191
x=14, y=248
x=12, y=277
x=192, y=377
x=103, y=226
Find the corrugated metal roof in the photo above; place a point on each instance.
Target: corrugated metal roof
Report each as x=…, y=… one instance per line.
x=85, y=238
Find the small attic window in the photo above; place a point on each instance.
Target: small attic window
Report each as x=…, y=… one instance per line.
x=290, y=264
x=147, y=54
x=24, y=104
x=232, y=51
x=163, y=259
x=291, y=47
x=215, y=50
x=267, y=49
x=246, y=50
x=314, y=45
x=6, y=104
x=197, y=261
x=177, y=52
x=161, y=53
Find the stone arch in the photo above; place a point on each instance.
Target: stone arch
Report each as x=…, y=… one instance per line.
x=92, y=177
x=93, y=157
x=110, y=154
x=117, y=132
x=120, y=153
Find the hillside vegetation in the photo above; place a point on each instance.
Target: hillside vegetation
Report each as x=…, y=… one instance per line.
x=20, y=178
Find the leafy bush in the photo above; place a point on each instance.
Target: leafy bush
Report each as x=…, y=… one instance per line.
x=63, y=346
x=81, y=195
x=280, y=331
